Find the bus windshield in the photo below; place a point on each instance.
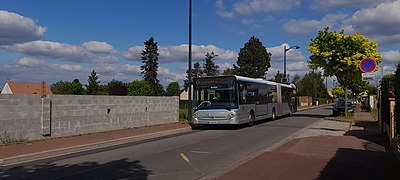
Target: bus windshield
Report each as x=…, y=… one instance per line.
x=215, y=93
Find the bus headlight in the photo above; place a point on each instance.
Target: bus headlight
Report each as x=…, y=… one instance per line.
x=195, y=114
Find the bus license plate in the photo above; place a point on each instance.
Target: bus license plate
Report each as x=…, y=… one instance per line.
x=212, y=122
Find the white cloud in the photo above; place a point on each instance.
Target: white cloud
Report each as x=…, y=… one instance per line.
x=15, y=28
x=248, y=7
x=98, y=47
x=221, y=11
x=308, y=26
x=166, y=76
x=389, y=69
x=325, y=4
x=298, y=66
x=57, y=50
x=392, y=56
x=379, y=23
x=180, y=53
x=45, y=48
x=291, y=55
x=226, y=14
x=66, y=67
x=224, y=66
x=29, y=62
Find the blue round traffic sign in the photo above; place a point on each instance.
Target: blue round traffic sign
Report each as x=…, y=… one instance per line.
x=368, y=65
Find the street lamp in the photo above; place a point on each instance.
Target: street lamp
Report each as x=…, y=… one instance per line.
x=284, y=80
x=190, y=65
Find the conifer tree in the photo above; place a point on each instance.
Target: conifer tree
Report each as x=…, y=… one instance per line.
x=253, y=60
x=93, y=85
x=210, y=68
x=150, y=62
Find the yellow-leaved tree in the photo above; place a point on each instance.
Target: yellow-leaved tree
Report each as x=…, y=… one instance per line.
x=340, y=55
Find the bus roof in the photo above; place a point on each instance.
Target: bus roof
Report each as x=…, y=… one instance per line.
x=253, y=80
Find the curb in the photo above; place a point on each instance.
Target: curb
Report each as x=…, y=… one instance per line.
x=86, y=147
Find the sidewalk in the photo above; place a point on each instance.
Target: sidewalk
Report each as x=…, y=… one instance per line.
x=358, y=154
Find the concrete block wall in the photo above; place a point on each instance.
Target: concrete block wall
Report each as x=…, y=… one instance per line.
x=72, y=115
x=20, y=116
x=33, y=117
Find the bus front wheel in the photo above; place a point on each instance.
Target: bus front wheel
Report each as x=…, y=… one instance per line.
x=251, y=119
x=273, y=115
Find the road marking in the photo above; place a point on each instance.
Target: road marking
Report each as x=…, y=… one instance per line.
x=201, y=152
x=184, y=157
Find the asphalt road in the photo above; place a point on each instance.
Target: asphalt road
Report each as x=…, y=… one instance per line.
x=202, y=153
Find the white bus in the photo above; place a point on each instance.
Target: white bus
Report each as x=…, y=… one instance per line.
x=240, y=100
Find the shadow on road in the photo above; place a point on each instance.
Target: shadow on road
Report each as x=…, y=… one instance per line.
x=319, y=116
x=119, y=169
x=218, y=127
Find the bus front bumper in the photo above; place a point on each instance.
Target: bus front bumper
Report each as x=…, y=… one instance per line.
x=215, y=121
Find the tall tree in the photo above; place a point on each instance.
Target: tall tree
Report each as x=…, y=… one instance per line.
x=229, y=71
x=157, y=90
x=340, y=55
x=139, y=88
x=210, y=68
x=197, y=70
x=117, y=88
x=312, y=85
x=65, y=87
x=173, y=89
x=338, y=91
x=150, y=62
x=253, y=60
x=77, y=87
x=93, y=84
x=278, y=77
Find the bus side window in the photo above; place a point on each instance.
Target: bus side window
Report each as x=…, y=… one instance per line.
x=242, y=93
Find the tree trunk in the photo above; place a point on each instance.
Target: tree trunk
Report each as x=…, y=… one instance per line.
x=345, y=101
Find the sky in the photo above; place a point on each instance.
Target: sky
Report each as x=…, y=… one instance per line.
x=45, y=40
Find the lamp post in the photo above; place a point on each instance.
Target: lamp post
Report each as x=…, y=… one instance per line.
x=284, y=80
x=190, y=65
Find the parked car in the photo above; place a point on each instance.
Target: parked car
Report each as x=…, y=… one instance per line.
x=339, y=108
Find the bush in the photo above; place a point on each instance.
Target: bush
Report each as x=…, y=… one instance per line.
x=387, y=88
x=183, y=115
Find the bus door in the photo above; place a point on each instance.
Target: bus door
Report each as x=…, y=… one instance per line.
x=279, y=103
x=262, y=100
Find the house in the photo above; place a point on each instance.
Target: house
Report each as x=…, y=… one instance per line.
x=26, y=88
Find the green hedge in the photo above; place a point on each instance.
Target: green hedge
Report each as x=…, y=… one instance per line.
x=387, y=89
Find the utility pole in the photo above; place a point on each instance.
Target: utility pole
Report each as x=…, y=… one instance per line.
x=190, y=64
